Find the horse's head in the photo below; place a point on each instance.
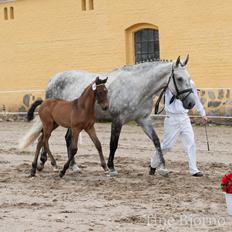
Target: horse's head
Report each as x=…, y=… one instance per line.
x=180, y=83
x=101, y=93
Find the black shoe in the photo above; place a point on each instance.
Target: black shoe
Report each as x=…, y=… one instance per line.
x=152, y=171
x=198, y=174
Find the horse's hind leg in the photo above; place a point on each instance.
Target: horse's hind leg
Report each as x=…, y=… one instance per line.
x=146, y=124
x=73, y=150
x=38, y=147
x=116, y=127
x=92, y=134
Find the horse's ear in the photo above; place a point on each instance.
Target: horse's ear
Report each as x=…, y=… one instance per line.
x=178, y=61
x=186, y=60
x=105, y=80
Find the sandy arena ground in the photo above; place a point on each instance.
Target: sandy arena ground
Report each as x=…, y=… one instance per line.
x=133, y=201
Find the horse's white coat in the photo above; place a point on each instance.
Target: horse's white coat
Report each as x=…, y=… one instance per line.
x=130, y=88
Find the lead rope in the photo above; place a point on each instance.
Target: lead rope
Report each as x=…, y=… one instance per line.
x=158, y=102
x=161, y=95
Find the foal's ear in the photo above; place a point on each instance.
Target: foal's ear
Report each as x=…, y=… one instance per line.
x=97, y=80
x=178, y=61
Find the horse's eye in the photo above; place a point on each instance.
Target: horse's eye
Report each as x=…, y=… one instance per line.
x=180, y=79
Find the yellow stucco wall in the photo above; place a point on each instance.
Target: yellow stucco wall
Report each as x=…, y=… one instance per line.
x=49, y=36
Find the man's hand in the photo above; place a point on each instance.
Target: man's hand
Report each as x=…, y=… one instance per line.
x=204, y=120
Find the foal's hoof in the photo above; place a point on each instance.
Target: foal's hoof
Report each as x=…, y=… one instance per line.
x=113, y=173
x=163, y=172
x=55, y=169
x=105, y=168
x=40, y=166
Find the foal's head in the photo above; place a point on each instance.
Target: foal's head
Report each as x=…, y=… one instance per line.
x=101, y=91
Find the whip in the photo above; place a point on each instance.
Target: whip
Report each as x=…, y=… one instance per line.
x=207, y=139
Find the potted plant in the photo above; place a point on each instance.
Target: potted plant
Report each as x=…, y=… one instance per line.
x=226, y=185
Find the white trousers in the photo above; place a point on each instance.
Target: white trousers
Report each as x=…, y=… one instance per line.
x=175, y=126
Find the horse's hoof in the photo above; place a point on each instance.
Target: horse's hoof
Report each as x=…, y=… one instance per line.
x=163, y=172
x=32, y=174
x=40, y=166
x=61, y=174
x=113, y=173
x=75, y=168
x=152, y=171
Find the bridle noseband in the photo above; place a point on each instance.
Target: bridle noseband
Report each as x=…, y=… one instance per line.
x=177, y=96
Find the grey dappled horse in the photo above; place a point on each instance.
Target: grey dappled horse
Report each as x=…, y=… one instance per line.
x=130, y=93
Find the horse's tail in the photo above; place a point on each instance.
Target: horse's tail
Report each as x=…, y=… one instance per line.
x=31, y=135
x=30, y=113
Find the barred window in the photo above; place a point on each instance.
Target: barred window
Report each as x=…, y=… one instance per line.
x=146, y=45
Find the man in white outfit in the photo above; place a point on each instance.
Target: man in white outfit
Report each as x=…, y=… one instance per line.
x=177, y=123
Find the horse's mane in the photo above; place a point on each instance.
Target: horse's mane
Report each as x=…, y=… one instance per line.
x=143, y=66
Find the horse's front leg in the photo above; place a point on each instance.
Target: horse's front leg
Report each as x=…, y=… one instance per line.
x=116, y=127
x=146, y=124
x=92, y=134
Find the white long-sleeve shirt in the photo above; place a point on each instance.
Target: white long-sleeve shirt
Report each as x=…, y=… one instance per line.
x=176, y=107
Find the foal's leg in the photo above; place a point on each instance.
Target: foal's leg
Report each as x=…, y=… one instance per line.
x=43, y=154
x=47, y=134
x=73, y=166
x=116, y=127
x=38, y=147
x=92, y=134
x=43, y=159
x=146, y=124
x=73, y=150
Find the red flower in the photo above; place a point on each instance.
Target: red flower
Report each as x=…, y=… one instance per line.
x=226, y=183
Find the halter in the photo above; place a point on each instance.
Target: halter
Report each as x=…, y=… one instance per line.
x=177, y=96
x=94, y=88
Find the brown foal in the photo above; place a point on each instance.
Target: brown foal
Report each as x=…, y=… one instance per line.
x=77, y=115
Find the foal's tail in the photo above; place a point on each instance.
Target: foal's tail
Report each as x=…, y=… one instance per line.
x=31, y=135
x=30, y=113
x=34, y=131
